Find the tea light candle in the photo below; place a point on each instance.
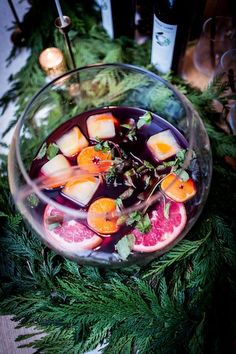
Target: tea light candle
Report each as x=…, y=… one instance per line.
x=52, y=62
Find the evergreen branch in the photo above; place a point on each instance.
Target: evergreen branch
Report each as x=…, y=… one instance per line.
x=79, y=307
x=180, y=252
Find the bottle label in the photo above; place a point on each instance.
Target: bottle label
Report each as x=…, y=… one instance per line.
x=107, y=17
x=163, y=42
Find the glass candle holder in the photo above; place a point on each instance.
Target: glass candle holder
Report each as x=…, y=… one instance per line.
x=218, y=35
x=225, y=76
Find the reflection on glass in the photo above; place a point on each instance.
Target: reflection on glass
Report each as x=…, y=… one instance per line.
x=218, y=35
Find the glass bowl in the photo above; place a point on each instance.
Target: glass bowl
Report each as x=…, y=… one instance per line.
x=67, y=227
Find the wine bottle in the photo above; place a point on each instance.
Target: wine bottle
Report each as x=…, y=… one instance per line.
x=144, y=17
x=118, y=17
x=171, y=26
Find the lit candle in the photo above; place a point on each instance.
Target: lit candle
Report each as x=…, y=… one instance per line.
x=52, y=62
x=60, y=13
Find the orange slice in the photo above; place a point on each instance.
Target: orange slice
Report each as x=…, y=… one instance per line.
x=97, y=218
x=94, y=161
x=176, y=189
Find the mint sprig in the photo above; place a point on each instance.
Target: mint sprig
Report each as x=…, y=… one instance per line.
x=140, y=222
x=167, y=210
x=146, y=119
x=125, y=246
x=52, y=151
x=42, y=151
x=102, y=146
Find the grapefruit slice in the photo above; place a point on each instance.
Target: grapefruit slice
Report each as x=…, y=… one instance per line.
x=69, y=235
x=99, y=216
x=164, y=230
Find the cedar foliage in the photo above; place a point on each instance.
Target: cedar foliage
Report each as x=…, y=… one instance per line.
x=182, y=302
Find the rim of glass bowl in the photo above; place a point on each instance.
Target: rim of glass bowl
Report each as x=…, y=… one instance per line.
x=33, y=184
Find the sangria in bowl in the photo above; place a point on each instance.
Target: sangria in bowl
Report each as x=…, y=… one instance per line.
x=110, y=165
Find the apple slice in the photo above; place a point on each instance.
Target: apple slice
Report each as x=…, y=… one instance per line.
x=163, y=145
x=72, y=142
x=58, y=170
x=101, y=126
x=81, y=189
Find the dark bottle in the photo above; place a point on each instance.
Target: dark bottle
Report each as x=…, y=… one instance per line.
x=118, y=17
x=198, y=20
x=171, y=26
x=144, y=17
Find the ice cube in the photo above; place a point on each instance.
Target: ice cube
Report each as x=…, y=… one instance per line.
x=72, y=142
x=163, y=145
x=101, y=126
x=81, y=189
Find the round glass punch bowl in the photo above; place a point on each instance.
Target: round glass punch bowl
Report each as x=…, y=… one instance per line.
x=134, y=204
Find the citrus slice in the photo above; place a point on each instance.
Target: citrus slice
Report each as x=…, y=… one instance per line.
x=100, y=218
x=164, y=230
x=69, y=235
x=177, y=189
x=101, y=126
x=94, y=161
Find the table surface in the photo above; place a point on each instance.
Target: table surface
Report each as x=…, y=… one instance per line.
x=8, y=332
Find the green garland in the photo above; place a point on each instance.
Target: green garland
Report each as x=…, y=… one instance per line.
x=183, y=302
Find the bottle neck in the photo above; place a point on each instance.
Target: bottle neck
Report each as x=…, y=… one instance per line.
x=173, y=12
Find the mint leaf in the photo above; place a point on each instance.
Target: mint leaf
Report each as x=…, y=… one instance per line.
x=148, y=165
x=102, y=146
x=140, y=222
x=127, y=126
x=133, y=218
x=180, y=156
x=132, y=135
x=42, y=151
x=53, y=226
x=52, y=151
x=144, y=225
x=121, y=220
x=167, y=210
x=169, y=163
x=183, y=175
x=127, y=193
x=144, y=120
x=125, y=246
x=33, y=200
x=119, y=203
